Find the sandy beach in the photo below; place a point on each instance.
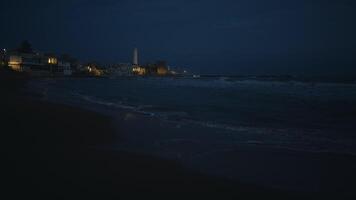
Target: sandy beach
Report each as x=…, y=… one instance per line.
x=323, y=174
x=51, y=152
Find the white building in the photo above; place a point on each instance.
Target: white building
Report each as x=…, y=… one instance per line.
x=135, y=57
x=65, y=66
x=38, y=64
x=122, y=69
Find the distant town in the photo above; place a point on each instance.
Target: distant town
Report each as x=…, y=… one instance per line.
x=39, y=64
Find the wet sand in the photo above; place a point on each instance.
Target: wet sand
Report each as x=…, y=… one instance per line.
x=207, y=150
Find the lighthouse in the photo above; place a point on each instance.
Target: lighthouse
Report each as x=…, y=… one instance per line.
x=135, y=57
x=136, y=68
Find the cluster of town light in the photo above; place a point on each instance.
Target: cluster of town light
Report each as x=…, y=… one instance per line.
x=52, y=60
x=139, y=70
x=15, y=63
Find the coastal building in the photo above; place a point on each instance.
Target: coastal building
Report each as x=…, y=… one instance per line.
x=136, y=68
x=135, y=57
x=162, y=69
x=94, y=69
x=153, y=69
x=177, y=71
x=159, y=68
x=122, y=69
x=38, y=64
x=66, y=67
x=3, y=57
x=25, y=59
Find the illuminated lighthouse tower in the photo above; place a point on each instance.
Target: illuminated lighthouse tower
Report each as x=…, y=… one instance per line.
x=136, y=68
x=135, y=57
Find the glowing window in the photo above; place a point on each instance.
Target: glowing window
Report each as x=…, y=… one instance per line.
x=52, y=60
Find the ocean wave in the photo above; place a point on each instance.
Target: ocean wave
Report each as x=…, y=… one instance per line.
x=167, y=106
x=311, y=140
x=226, y=82
x=308, y=140
x=149, y=110
x=94, y=100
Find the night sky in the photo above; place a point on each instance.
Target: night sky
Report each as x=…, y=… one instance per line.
x=204, y=36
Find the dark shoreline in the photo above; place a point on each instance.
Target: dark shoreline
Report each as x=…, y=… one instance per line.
x=49, y=153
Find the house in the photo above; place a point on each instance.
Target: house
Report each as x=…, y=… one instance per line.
x=157, y=69
x=66, y=67
x=94, y=69
x=139, y=70
x=38, y=64
x=122, y=69
x=162, y=69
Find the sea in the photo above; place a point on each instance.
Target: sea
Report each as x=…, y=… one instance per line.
x=308, y=115
x=218, y=113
